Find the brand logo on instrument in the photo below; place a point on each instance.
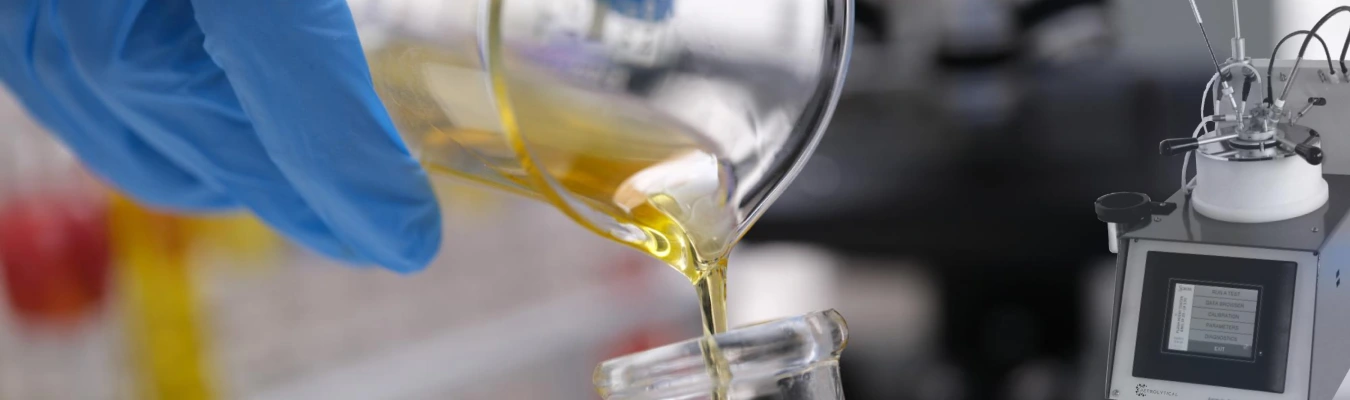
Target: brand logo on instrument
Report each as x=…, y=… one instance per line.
x=1142, y=390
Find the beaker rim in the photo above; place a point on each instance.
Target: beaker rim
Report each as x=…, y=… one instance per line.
x=767, y=350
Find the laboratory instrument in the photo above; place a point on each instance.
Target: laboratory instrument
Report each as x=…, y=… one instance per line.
x=789, y=359
x=1232, y=287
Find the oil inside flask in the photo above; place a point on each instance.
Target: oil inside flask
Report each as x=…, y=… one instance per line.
x=637, y=177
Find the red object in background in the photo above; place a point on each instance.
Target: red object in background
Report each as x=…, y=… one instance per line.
x=55, y=258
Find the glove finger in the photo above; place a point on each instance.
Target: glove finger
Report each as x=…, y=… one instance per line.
x=35, y=66
x=150, y=70
x=300, y=74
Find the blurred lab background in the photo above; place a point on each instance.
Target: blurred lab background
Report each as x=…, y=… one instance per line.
x=947, y=215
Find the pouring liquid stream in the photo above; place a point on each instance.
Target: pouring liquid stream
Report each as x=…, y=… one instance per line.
x=611, y=164
x=660, y=183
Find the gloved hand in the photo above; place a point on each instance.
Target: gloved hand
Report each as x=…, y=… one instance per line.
x=204, y=105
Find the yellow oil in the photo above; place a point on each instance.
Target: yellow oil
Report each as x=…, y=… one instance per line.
x=712, y=297
x=597, y=162
x=623, y=171
x=629, y=166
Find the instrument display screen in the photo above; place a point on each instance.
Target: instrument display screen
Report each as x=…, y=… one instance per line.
x=1213, y=320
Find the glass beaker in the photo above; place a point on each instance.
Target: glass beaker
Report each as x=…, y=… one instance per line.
x=789, y=359
x=668, y=125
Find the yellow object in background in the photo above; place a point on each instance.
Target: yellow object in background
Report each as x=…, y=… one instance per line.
x=240, y=239
x=163, y=318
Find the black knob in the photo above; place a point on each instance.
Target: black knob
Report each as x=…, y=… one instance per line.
x=1312, y=154
x=1172, y=147
x=1317, y=101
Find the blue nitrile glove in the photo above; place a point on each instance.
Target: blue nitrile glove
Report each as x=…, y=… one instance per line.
x=203, y=105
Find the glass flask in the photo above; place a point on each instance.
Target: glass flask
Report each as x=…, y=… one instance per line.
x=667, y=125
x=789, y=359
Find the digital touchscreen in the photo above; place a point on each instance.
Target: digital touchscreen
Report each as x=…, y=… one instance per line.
x=1213, y=320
